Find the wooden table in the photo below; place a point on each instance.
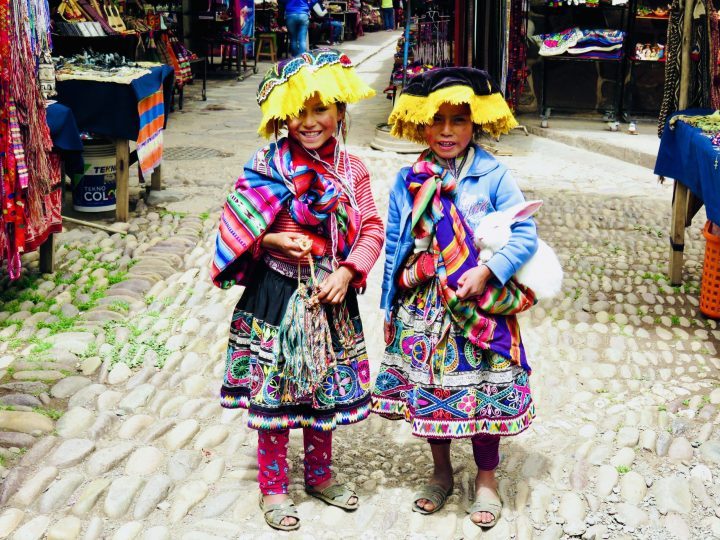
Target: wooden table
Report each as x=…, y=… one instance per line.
x=111, y=109
x=688, y=156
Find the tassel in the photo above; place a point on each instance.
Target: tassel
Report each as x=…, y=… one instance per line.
x=303, y=347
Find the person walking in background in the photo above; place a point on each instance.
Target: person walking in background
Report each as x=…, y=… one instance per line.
x=297, y=20
x=398, y=7
x=301, y=232
x=388, y=14
x=454, y=363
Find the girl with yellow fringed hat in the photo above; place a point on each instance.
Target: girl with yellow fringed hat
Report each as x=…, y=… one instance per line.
x=300, y=232
x=454, y=364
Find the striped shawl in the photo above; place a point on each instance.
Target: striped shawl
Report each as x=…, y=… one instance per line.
x=270, y=182
x=487, y=320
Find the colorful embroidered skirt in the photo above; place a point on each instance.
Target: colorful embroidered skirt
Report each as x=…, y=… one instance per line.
x=253, y=380
x=441, y=383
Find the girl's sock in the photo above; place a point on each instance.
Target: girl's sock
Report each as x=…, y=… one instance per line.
x=318, y=456
x=272, y=461
x=486, y=451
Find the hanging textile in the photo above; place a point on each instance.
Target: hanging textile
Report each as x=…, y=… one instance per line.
x=28, y=174
x=704, y=83
x=517, y=70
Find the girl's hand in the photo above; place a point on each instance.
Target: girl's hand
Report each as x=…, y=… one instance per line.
x=292, y=244
x=334, y=288
x=473, y=282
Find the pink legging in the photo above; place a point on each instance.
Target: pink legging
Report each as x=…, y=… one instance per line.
x=272, y=459
x=485, y=450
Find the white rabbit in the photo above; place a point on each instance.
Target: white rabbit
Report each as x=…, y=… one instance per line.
x=542, y=272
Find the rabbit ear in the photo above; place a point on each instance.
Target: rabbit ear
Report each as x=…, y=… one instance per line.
x=522, y=211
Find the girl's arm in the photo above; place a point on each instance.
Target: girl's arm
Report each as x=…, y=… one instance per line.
x=372, y=232
x=523, y=240
x=391, y=240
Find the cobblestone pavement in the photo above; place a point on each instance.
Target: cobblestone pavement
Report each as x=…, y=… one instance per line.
x=110, y=427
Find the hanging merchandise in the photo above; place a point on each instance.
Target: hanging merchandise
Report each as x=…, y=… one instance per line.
x=174, y=54
x=704, y=84
x=28, y=172
x=516, y=71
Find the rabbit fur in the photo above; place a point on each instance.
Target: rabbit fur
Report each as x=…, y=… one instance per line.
x=542, y=272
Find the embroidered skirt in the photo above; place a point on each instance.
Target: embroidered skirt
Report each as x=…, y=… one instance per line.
x=441, y=383
x=254, y=381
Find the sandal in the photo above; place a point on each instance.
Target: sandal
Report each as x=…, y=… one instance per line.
x=487, y=505
x=275, y=514
x=434, y=493
x=335, y=495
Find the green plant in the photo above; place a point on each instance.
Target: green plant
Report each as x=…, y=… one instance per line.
x=41, y=347
x=204, y=215
x=53, y=414
x=662, y=408
x=121, y=306
x=622, y=469
x=62, y=324
x=675, y=320
x=117, y=277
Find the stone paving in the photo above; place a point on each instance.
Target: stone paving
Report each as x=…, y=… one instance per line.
x=110, y=367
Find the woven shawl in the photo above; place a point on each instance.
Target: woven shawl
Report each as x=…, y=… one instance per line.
x=270, y=182
x=488, y=320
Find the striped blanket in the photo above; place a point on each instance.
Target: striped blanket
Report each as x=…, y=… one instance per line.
x=488, y=320
x=269, y=182
x=151, y=111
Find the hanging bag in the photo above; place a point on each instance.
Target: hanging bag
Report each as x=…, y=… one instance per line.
x=303, y=347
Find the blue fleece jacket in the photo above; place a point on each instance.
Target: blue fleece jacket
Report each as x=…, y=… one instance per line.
x=486, y=187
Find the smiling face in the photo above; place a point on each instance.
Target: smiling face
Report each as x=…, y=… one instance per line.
x=315, y=124
x=451, y=130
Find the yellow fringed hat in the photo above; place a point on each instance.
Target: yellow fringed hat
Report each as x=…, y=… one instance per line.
x=288, y=84
x=425, y=93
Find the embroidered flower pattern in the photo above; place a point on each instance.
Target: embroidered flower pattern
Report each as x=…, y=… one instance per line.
x=467, y=404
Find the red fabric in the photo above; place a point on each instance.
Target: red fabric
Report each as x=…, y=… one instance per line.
x=372, y=233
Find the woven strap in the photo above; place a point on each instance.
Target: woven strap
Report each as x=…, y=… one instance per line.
x=277, y=512
x=434, y=493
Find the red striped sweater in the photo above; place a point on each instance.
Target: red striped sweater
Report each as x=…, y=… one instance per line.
x=372, y=234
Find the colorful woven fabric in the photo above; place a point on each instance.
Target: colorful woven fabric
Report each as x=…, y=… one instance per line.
x=444, y=385
x=486, y=320
x=27, y=172
x=269, y=182
x=255, y=373
x=151, y=113
x=289, y=84
x=425, y=93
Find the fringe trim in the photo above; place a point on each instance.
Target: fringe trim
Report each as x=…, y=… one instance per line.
x=491, y=112
x=333, y=83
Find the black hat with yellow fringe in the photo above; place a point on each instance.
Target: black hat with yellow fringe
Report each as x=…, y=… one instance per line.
x=426, y=92
x=289, y=84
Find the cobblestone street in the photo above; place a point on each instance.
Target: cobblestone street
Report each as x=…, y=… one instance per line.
x=109, y=368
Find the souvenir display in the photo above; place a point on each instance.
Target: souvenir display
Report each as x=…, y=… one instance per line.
x=29, y=175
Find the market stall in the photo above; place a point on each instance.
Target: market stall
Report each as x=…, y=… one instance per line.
x=29, y=173
x=126, y=103
x=689, y=82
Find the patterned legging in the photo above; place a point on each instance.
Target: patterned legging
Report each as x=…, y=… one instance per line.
x=485, y=450
x=272, y=459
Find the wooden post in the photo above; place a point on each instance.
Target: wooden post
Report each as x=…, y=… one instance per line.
x=677, y=232
x=47, y=255
x=680, y=192
x=156, y=178
x=122, y=179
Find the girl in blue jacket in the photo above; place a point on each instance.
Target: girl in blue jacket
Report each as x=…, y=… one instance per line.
x=454, y=364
